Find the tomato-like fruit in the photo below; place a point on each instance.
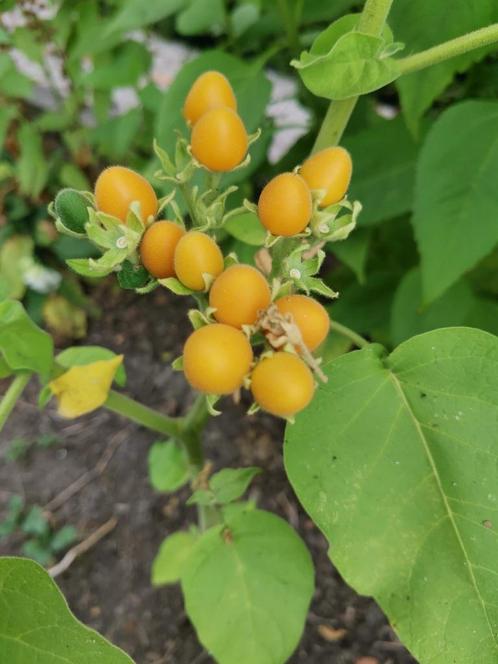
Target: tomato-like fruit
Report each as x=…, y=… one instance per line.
x=197, y=254
x=216, y=358
x=157, y=248
x=285, y=205
x=309, y=315
x=238, y=295
x=219, y=140
x=329, y=170
x=282, y=384
x=118, y=187
x=210, y=90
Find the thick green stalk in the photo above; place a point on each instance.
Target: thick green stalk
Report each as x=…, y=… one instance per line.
x=347, y=332
x=10, y=398
x=372, y=20
x=147, y=417
x=191, y=427
x=449, y=49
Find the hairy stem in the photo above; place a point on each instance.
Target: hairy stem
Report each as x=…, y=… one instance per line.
x=371, y=22
x=147, y=417
x=10, y=398
x=347, y=332
x=449, y=49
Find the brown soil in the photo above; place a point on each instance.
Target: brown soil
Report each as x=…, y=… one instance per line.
x=108, y=588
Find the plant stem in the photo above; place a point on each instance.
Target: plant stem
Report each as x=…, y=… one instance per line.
x=371, y=22
x=290, y=23
x=14, y=391
x=356, y=338
x=449, y=49
x=190, y=432
x=147, y=417
x=189, y=202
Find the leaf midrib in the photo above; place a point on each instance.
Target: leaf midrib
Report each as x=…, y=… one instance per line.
x=444, y=498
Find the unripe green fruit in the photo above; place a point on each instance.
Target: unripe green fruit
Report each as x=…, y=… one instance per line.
x=71, y=208
x=132, y=276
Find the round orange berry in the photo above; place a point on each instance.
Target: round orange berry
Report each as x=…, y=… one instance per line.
x=210, y=90
x=216, y=358
x=310, y=317
x=157, y=248
x=118, y=187
x=238, y=295
x=329, y=170
x=219, y=140
x=285, y=205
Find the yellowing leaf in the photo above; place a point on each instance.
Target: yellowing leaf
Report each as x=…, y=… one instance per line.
x=85, y=388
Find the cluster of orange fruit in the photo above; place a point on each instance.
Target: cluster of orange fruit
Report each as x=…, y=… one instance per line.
x=218, y=357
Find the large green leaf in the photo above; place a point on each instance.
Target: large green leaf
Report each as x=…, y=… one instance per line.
x=425, y=23
x=247, y=588
x=23, y=344
x=36, y=624
x=456, y=200
x=410, y=317
x=395, y=460
x=384, y=158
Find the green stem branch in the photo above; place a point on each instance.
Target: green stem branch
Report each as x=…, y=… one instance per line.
x=347, y=332
x=449, y=49
x=147, y=417
x=371, y=22
x=10, y=398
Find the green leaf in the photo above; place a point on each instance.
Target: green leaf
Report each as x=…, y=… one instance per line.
x=250, y=85
x=200, y=16
x=367, y=308
x=77, y=356
x=35, y=522
x=172, y=557
x=137, y=14
x=395, y=461
x=114, y=137
x=26, y=41
x=230, y=484
x=247, y=228
x=12, y=82
x=7, y=114
x=168, y=466
x=122, y=67
x=456, y=205
x=63, y=538
x=16, y=256
x=384, y=158
x=37, y=625
x=410, y=317
x=14, y=511
x=258, y=575
x=32, y=166
x=425, y=23
x=23, y=344
x=343, y=63
x=37, y=550
x=354, y=252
